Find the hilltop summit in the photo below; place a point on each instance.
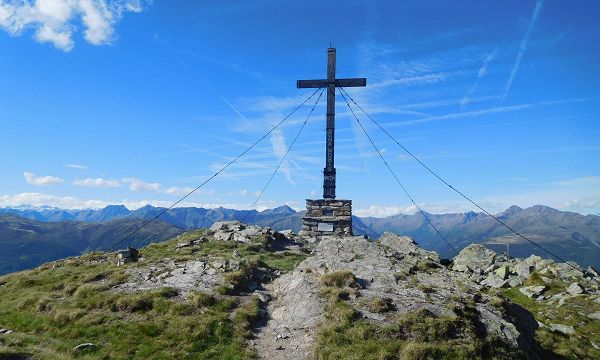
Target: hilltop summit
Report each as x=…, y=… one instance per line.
x=236, y=291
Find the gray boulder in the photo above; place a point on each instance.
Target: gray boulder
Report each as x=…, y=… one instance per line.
x=503, y=272
x=406, y=245
x=564, y=329
x=461, y=268
x=575, y=289
x=524, y=269
x=475, y=256
x=533, y=291
x=594, y=315
x=227, y=226
x=495, y=282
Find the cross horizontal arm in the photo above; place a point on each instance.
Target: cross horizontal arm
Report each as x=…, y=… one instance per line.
x=356, y=82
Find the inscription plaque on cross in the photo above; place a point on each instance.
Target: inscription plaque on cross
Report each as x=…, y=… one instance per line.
x=330, y=83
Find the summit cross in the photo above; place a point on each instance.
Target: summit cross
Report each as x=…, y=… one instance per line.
x=330, y=83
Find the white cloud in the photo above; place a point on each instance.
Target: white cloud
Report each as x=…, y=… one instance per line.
x=54, y=21
x=70, y=202
x=139, y=185
x=41, y=180
x=244, y=192
x=97, y=182
x=383, y=211
x=76, y=166
x=174, y=190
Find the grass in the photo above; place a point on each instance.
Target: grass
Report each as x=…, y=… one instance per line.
x=380, y=305
x=59, y=305
x=339, y=279
x=413, y=335
x=571, y=313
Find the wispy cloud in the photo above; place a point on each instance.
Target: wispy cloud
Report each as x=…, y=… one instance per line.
x=76, y=166
x=53, y=21
x=416, y=80
x=32, y=179
x=279, y=149
x=488, y=111
x=214, y=91
x=481, y=73
x=523, y=46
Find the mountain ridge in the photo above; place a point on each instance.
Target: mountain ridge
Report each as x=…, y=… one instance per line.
x=574, y=236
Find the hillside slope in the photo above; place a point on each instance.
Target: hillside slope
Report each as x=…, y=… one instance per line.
x=26, y=243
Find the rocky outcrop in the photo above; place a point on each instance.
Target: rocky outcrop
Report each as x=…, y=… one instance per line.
x=394, y=268
x=394, y=273
x=503, y=272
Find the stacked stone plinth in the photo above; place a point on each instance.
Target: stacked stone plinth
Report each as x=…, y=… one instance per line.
x=327, y=217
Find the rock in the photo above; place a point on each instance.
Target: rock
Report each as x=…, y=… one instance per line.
x=594, y=315
x=495, y=282
x=575, y=289
x=564, y=329
x=223, y=236
x=184, y=244
x=543, y=264
x=406, y=245
x=533, y=291
x=503, y=272
x=515, y=281
x=85, y=346
x=200, y=240
x=591, y=272
x=241, y=238
x=227, y=226
x=287, y=233
x=5, y=331
x=461, y=268
x=475, y=256
x=524, y=269
x=490, y=268
x=263, y=296
x=126, y=256
x=568, y=271
x=533, y=260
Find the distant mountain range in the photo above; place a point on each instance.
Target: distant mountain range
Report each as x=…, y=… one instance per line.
x=27, y=234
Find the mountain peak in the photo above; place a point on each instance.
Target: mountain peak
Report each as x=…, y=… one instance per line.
x=284, y=209
x=514, y=209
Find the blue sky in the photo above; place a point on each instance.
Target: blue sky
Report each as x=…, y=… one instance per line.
x=135, y=102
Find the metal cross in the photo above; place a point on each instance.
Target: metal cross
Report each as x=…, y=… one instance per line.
x=331, y=82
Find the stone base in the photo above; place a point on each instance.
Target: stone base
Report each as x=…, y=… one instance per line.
x=327, y=217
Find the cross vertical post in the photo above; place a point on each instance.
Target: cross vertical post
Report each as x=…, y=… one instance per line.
x=329, y=173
